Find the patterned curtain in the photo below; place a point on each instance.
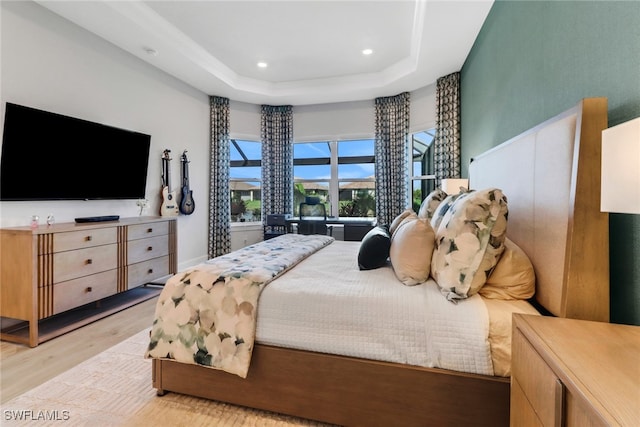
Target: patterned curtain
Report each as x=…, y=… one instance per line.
x=446, y=157
x=219, y=158
x=391, y=149
x=277, y=160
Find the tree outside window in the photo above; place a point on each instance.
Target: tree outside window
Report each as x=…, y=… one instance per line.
x=340, y=173
x=245, y=181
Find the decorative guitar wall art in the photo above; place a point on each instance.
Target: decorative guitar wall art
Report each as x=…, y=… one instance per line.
x=187, y=205
x=169, y=206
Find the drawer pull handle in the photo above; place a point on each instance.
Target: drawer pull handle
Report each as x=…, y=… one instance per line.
x=150, y=271
x=89, y=261
x=88, y=239
x=149, y=230
x=150, y=248
x=89, y=289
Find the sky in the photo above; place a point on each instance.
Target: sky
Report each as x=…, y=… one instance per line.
x=310, y=150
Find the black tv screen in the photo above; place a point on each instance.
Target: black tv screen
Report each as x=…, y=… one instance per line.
x=48, y=156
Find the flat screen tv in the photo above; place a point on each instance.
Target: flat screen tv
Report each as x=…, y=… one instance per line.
x=48, y=156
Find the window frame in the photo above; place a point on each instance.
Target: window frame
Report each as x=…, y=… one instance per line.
x=245, y=162
x=418, y=153
x=334, y=160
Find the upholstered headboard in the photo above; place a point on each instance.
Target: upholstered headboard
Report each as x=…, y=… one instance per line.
x=551, y=177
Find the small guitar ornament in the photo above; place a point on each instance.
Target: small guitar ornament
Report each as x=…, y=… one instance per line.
x=187, y=205
x=169, y=206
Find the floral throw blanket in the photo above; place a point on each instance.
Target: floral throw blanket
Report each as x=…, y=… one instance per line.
x=207, y=314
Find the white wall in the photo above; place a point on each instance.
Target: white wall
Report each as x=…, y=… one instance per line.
x=50, y=63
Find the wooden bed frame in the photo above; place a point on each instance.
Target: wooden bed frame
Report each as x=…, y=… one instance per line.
x=551, y=176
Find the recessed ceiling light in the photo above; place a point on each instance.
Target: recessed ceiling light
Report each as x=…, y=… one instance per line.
x=262, y=64
x=367, y=51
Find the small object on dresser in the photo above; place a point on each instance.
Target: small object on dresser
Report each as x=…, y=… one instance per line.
x=34, y=221
x=142, y=204
x=50, y=220
x=102, y=218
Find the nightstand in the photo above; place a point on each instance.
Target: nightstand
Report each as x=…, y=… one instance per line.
x=568, y=372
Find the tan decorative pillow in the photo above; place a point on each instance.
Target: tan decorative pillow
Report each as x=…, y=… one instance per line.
x=396, y=222
x=469, y=242
x=513, y=277
x=430, y=203
x=411, y=250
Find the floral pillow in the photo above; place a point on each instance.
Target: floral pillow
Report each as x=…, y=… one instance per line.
x=411, y=250
x=443, y=207
x=431, y=203
x=469, y=242
x=513, y=277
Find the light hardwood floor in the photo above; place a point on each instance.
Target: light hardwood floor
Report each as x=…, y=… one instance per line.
x=23, y=368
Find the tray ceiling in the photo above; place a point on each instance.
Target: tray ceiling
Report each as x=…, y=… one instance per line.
x=313, y=49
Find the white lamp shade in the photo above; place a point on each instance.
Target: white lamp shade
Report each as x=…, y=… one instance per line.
x=452, y=185
x=621, y=168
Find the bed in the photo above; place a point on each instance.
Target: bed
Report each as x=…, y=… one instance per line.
x=551, y=175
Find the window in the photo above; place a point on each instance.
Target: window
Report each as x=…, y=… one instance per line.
x=245, y=174
x=421, y=170
x=356, y=178
x=342, y=171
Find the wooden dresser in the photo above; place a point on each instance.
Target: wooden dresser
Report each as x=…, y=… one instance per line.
x=568, y=372
x=49, y=271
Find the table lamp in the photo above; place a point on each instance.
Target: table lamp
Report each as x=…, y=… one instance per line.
x=620, y=191
x=452, y=185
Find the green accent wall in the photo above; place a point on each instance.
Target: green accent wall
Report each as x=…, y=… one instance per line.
x=535, y=59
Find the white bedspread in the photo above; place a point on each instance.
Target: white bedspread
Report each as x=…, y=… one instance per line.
x=327, y=305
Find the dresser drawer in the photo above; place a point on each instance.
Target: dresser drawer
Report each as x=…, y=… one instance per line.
x=83, y=262
x=146, y=249
x=77, y=292
x=142, y=231
x=537, y=381
x=84, y=239
x=144, y=272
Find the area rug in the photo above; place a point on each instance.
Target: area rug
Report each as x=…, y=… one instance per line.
x=114, y=389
